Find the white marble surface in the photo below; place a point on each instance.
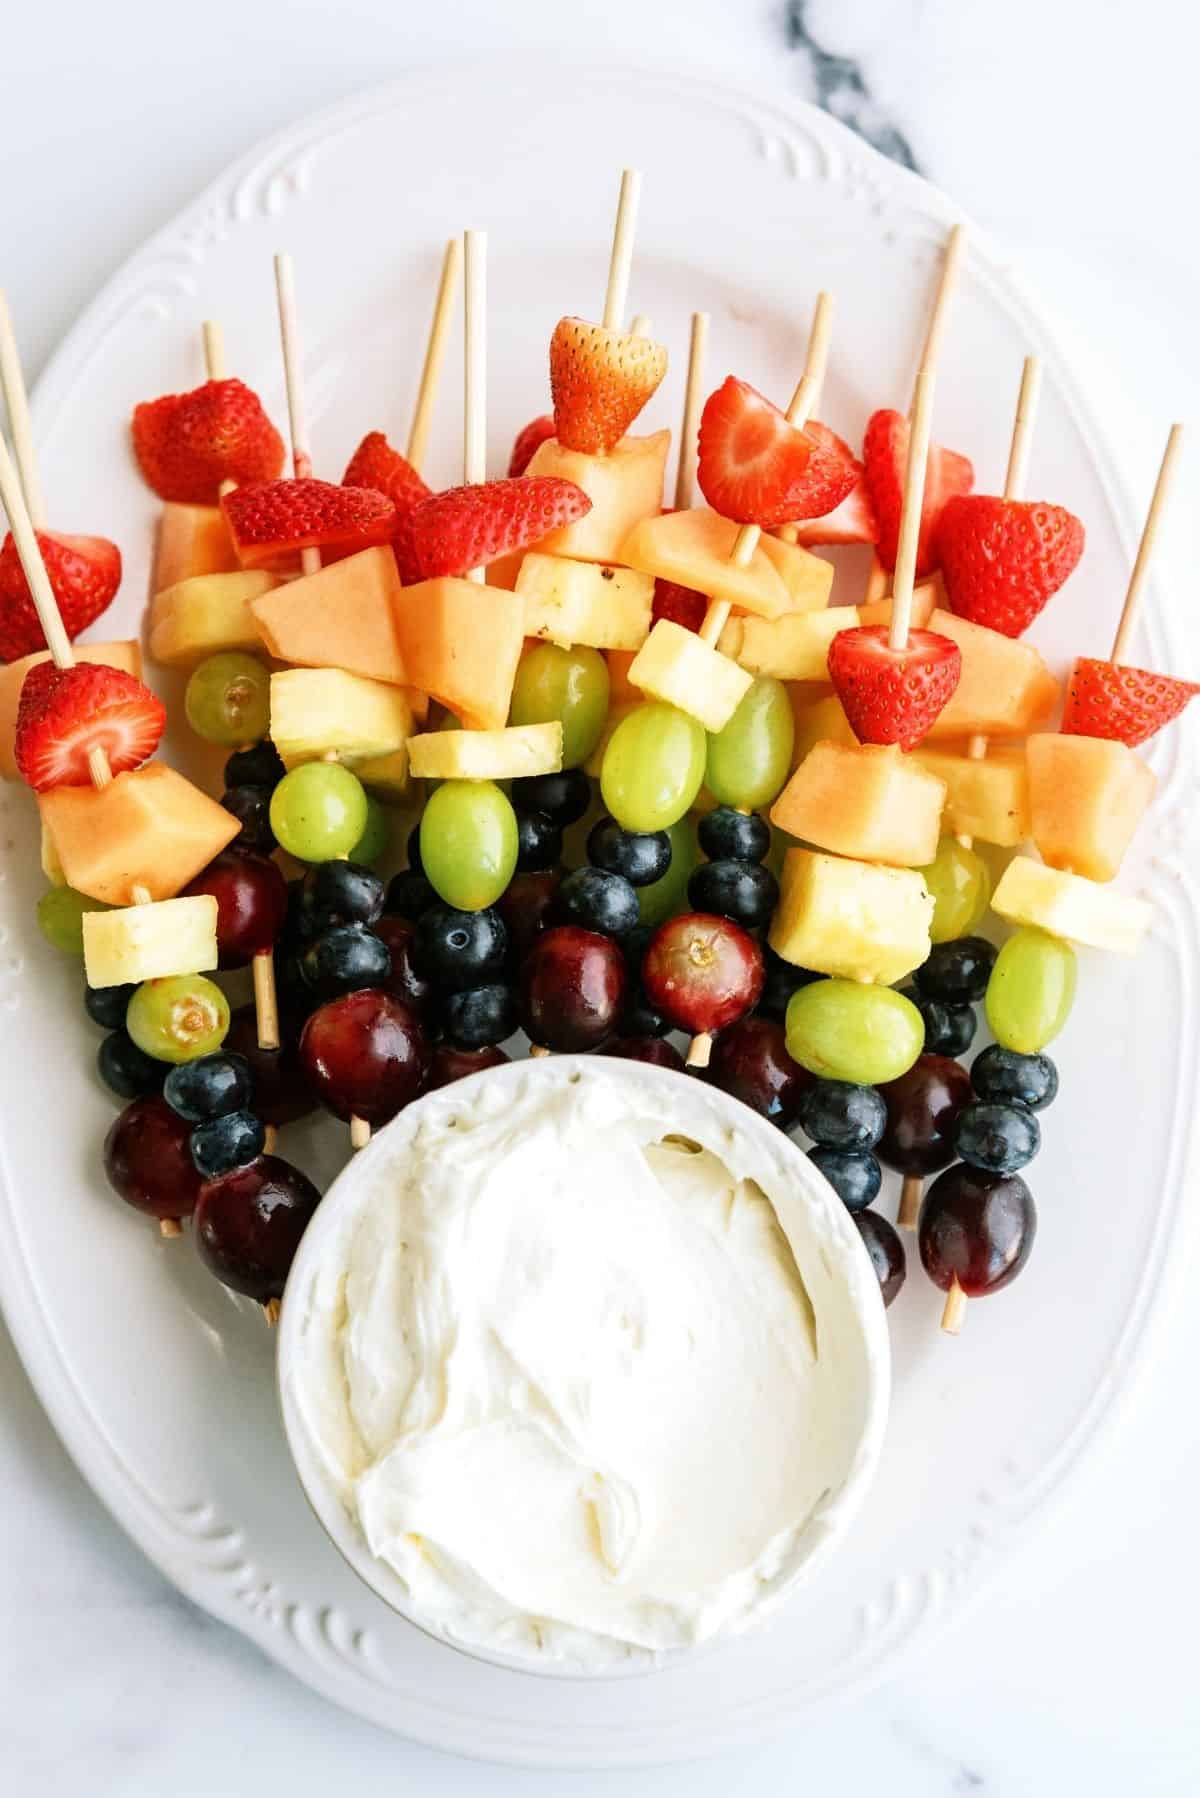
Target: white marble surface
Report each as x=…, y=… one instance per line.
x=1065, y=128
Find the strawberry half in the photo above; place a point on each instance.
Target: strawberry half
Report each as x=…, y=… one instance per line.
x=892, y=695
x=536, y=432
x=853, y=521
x=84, y=572
x=756, y=468
x=186, y=444
x=682, y=605
x=1109, y=699
x=272, y=521
x=885, y=455
x=376, y=464
x=467, y=527
x=65, y=713
x=1002, y=559
x=599, y=382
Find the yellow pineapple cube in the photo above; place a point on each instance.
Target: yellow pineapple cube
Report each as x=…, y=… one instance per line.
x=126, y=655
x=1005, y=689
x=678, y=666
x=694, y=547
x=924, y=599
x=208, y=613
x=869, y=801
x=986, y=799
x=808, y=578
x=851, y=918
x=795, y=647
x=590, y=603
x=387, y=776
x=509, y=754
x=1067, y=905
x=1087, y=797
x=325, y=711
x=343, y=616
x=818, y=718
x=149, y=942
x=624, y=486
x=52, y=868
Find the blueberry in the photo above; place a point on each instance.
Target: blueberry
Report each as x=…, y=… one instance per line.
x=641, y=856
x=1030, y=1080
x=634, y=944
x=126, y=1070
x=209, y=1086
x=251, y=806
x=596, y=900
x=481, y=1017
x=839, y=1115
x=998, y=1138
x=259, y=766
x=949, y=1029
x=228, y=1141
x=107, y=1005
x=744, y=891
x=564, y=797
x=409, y=894
x=299, y=926
x=734, y=836
x=460, y=949
x=343, y=893
x=780, y=980
x=957, y=972
x=539, y=842
x=854, y=1174
x=345, y=959
x=886, y=1251
x=641, y=1019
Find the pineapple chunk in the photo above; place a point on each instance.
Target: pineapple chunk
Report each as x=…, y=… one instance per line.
x=388, y=776
x=676, y=665
x=924, y=599
x=694, y=547
x=461, y=642
x=869, y=801
x=147, y=942
x=1005, y=689
x=1087, y=797
x=584, y=602
x=818, y=718
x=510, y=754
x=624, y=487
x=343, y=616
x=124, y=655
x=986, y=799
x=792, y=648
x=52, y=868
x=325, y=711
x=149, y=828
x=808, y=578
x=191, y=540
x=851, y=918
x=207, y=613
x=1067, y=905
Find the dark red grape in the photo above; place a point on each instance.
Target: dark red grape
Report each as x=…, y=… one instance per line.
x=654, y=1049
x=976, y=1228
x=281, y=1090
x=702, y=971
x=249, y=1223
x=148, y=1160
x=922, y=1110
x=750, y=1060
x=404, y=982
x=252, y=903
x=366, y=1055
x=525, y=906
x=883, y=1245
x=571, y=989
x=449, y=1064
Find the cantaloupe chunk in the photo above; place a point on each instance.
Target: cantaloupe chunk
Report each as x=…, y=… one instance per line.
x=1005, y=689
x=208, y=613
x=620, y=691
x=851, y=918
x=344, y=616
x=124, y=655
x=693, y=548
x=817, y=717
x=795, y=647
x=461, y=642
x=808, y=578
x=870, y=801
x=986, y=799
x=191, y=540
x=504, y=570
x=590, y=603
x=149, y=942
x=149, y=828
x=624, y=487
x=1087, y=797
x=326, y=711
x=679, y=667
x=510, y=754
x=1067, y=905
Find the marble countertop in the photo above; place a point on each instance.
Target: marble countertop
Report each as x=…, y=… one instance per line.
x=1063, y=127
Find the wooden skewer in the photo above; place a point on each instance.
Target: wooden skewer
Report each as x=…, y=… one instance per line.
x=1146, y=547
x=910, y=515
x=693, y=398
x=17, y=402
x=640, y=325
x=475, y=366
x=435, y=352
x=621, y=259
x=955, y=1308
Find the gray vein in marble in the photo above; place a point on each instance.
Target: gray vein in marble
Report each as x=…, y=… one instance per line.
x=842, y=90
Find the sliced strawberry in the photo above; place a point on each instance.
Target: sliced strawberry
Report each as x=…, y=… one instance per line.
x=1002, y=559
x=536, y=432
x=376, y=464
x=885, y=454
x=467, y=527
x=853, y=521
x=756, y=468
x=65, y=713
x=892, y=695
x=271, y=521
x=84, y=572
x=599, y=382
x=682, y=605
x=1109, y=699
x=186, y=444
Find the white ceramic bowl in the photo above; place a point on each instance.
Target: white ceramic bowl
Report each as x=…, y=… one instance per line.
x=825, y=1243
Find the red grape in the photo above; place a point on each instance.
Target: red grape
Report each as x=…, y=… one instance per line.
x=365, y=1054
x=249, y=1223
x=404, y=982
x=702, y=971
x=654, y=1049
x=252, y=903
x=281, y=1091
x=682, y=605
x=148, y=1161
x=883, y=1245
x=525, y=907
x=976, y=1228
x=571, y=989
x=750, y=1060
x=450, y=1064
x=923, y=1107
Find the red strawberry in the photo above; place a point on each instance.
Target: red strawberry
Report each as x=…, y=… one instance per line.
x=853, y=521
x=376, y=464
x=682, y=605
x=85, y=573
x=599, y=382
x=1108, y=699
x=467, y=527
x=188, y=443
x=1002, y=559
x=536, y=432
x=271, y=521
x=885, y=453
x=66, y=712
x=758, y=469
x=892, y=695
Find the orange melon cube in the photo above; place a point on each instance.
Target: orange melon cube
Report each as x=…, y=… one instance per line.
x=124, y=655
x=693, y=548
x=1087, y=796
x=870, y=802
x=624, y=487
x=191, y=540
x=344, y=616
x=461, y=642
x=1005, y=690
x=986, y=799
x=621, y=690
x=149, y=828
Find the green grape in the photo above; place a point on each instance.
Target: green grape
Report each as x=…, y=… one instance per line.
x=228, y=699
x=749, y=761
x=653, y=767
x=376, y=837
x=469, y=843
x=1029, y=995
x=319, y=811
x=178, y=1018
x=961, y=889
x=843, y=1030
x=663, y=898
x=565, y=686
x=60, y=917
